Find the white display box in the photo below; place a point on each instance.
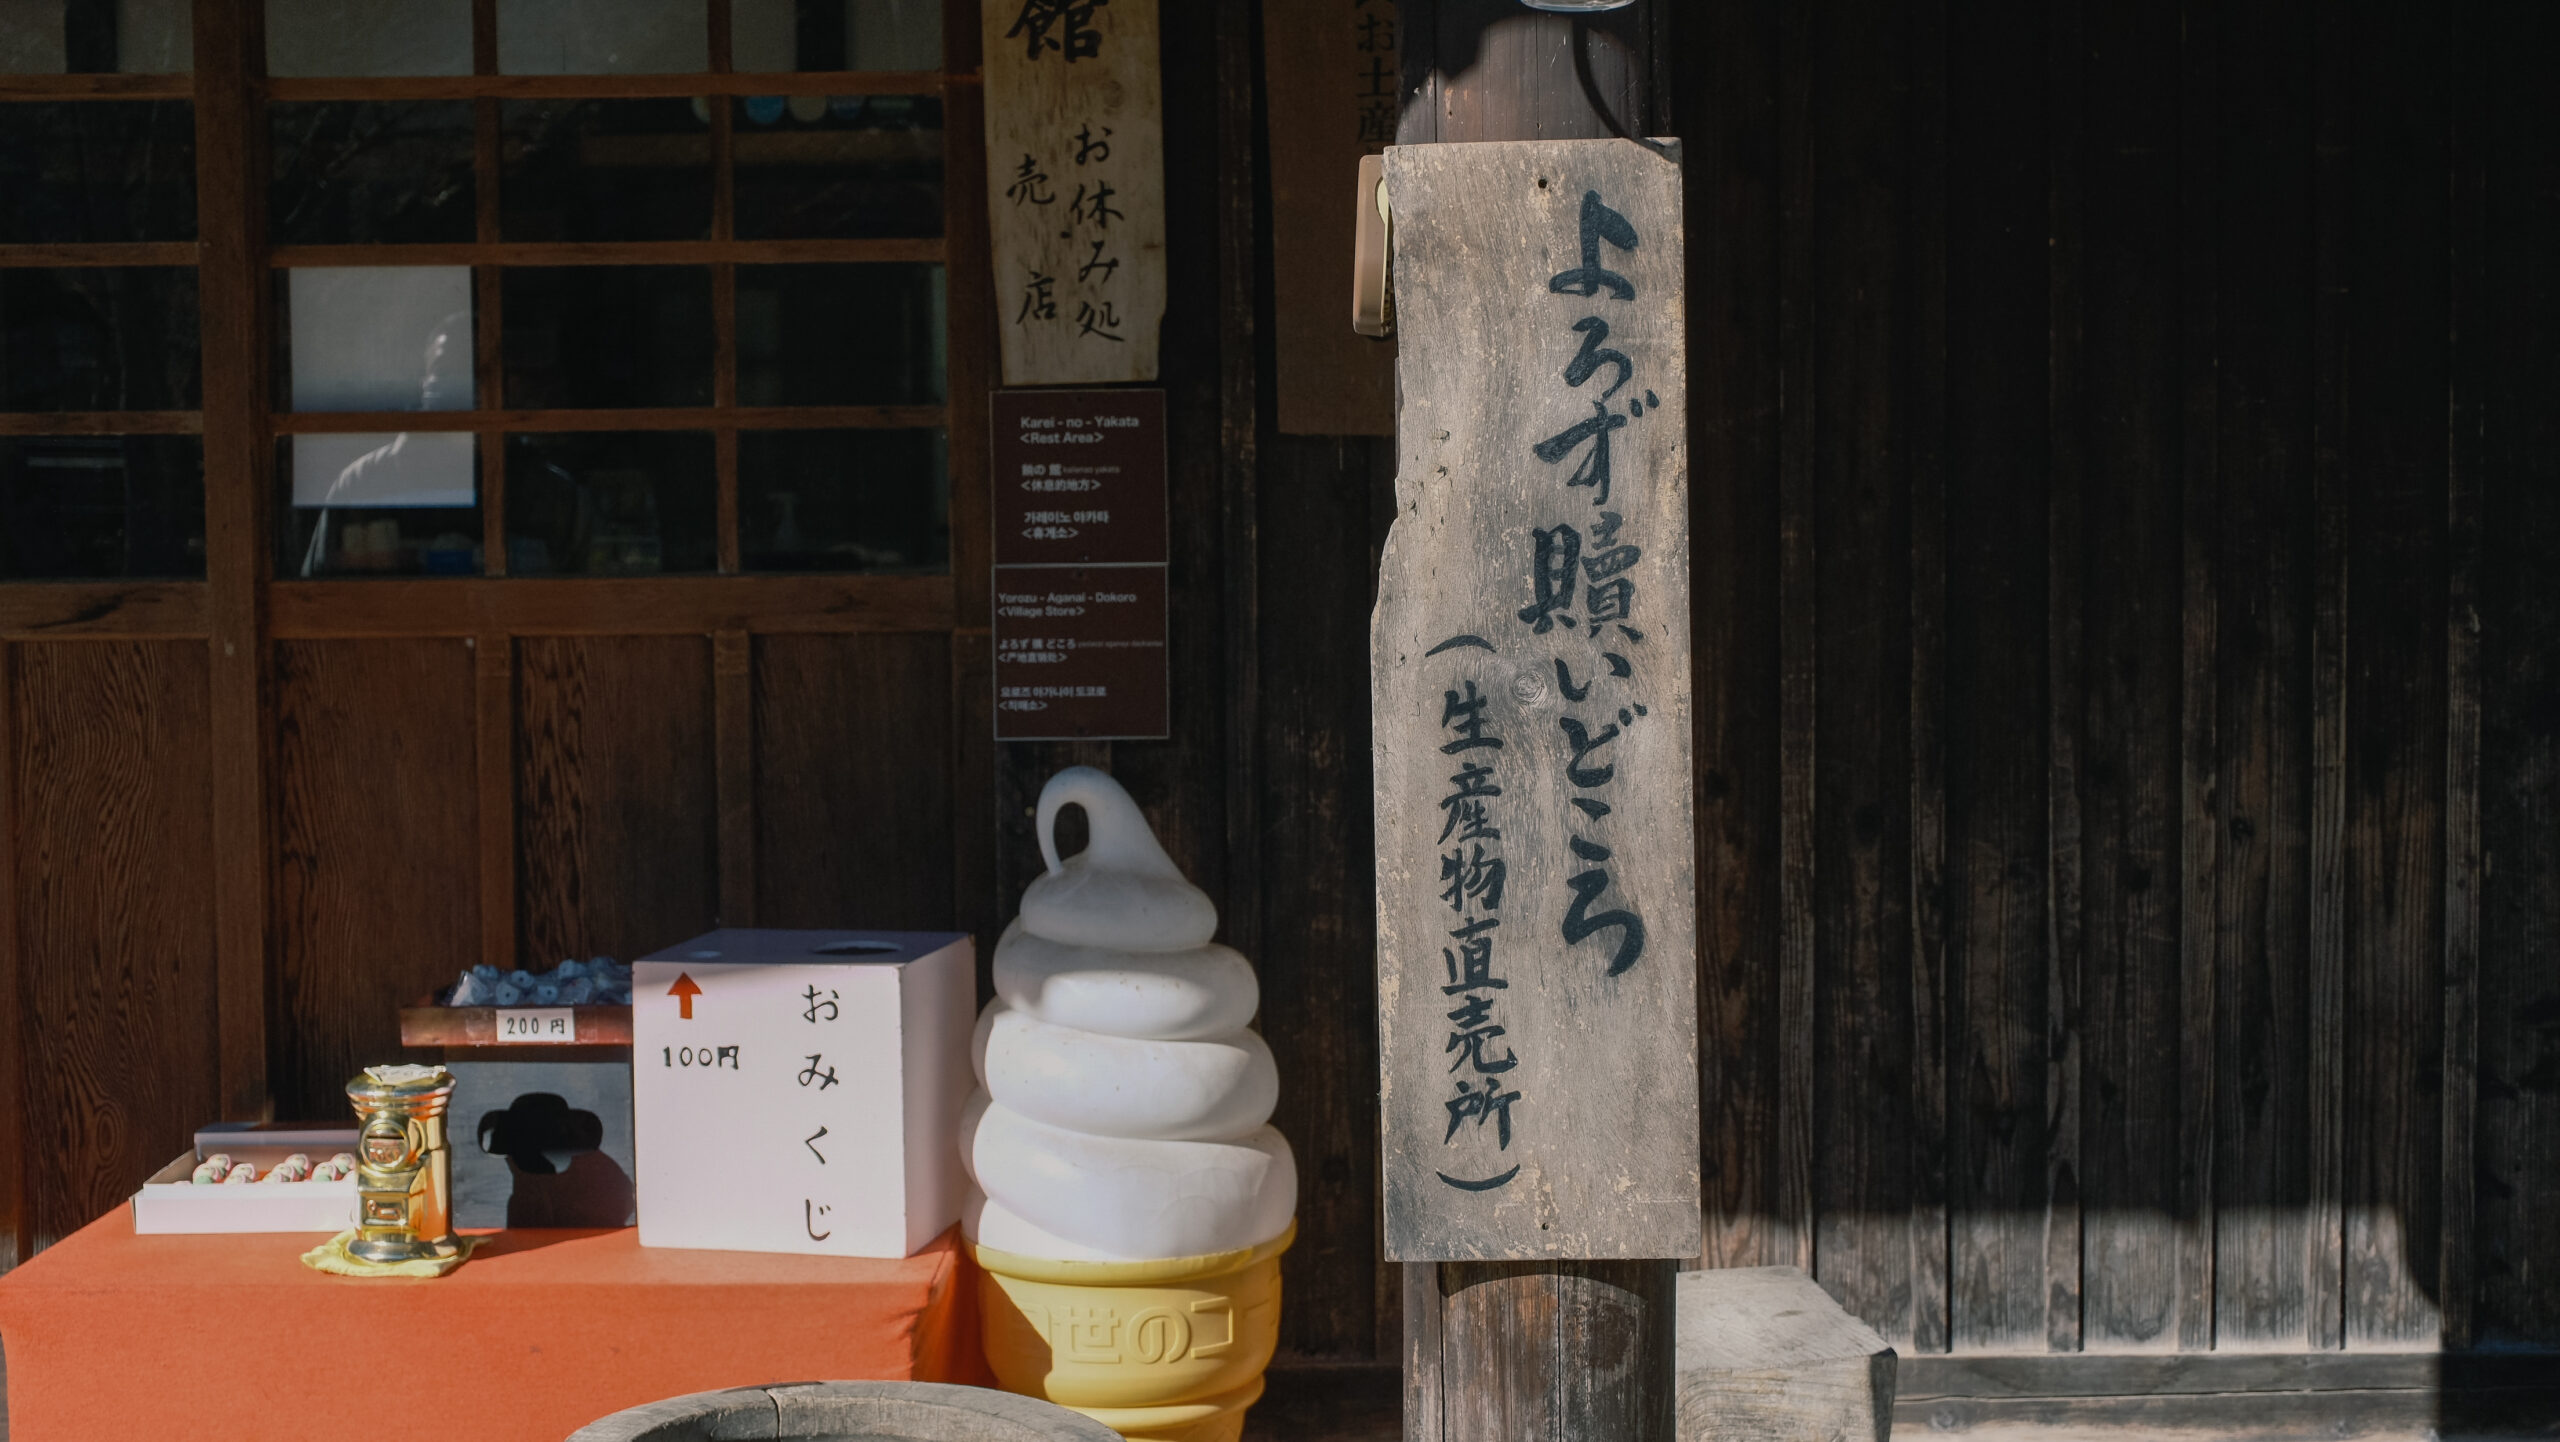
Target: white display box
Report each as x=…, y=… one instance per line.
x=800, y=1091
x=169, y=1203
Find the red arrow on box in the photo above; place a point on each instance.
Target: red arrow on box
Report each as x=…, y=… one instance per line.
x=684, y=991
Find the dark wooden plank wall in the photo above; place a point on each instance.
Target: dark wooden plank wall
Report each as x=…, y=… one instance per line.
x=1323, y=512
x=2262, y=625
x=114, y=920
x=108, y=1058
x=855, y=797
x=2127, y=551
x=611, y=769
x=377, y=869
x=2124, y=626
x=2507, y=215
x=614, y=795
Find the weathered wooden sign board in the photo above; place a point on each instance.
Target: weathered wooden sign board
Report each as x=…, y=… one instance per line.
x=1075, y=188
x=1329, y=67
x=1531, y=712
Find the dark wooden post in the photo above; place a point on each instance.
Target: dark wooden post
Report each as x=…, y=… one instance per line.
x=1498, y=70
x=1516, y=1350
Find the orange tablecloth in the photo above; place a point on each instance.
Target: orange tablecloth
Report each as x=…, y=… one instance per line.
x=111, y=1335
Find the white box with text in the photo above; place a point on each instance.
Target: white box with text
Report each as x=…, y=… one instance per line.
x=799, y=1091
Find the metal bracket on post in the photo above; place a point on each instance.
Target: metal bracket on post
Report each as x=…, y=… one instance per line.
x=1372, y=278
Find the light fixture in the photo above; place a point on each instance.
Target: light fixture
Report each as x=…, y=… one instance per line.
x=1577, y=7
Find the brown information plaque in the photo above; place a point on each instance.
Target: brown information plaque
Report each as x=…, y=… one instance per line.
x=1080, y=653
x=1079, y=477
x=1080, y=566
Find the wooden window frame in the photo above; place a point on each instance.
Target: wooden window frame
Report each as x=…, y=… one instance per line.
x=241, y=609
x=230, y=94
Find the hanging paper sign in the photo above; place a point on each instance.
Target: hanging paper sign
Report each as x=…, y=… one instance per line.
x=1329, y=67
x=1531, y=712
x=1075, y=188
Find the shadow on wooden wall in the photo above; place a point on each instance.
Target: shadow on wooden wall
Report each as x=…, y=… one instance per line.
x=2127, y=778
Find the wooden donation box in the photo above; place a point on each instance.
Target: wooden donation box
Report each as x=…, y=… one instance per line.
x=1531, y=698
x=800, y=1091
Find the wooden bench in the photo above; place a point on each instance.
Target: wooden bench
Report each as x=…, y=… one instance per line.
x=1764, y=1353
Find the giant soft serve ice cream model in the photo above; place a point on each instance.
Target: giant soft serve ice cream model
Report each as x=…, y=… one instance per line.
x=1131, y=1201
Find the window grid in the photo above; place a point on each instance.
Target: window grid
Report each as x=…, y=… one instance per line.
x=489, y=255
x=127, y=425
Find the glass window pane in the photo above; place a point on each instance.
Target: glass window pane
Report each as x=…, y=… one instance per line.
x=368, y=37
x=333, y=524
x=378, y=472
x=844, y=501
x=99, y=170
x=606, y=170
x=370, y=172
x=779, y=35
x=155, y=37
x=83, y=506
x=377, y=338
x=100, y=338
x=135, y=37
x=855, y=335
x=31, y=40
x=603, y=37
x=856, y=165
x=580, y=337
x=612, y=504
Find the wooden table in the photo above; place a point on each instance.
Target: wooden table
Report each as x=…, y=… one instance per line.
x=111, y=1335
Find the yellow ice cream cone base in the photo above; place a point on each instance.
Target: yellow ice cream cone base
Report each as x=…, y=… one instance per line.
x=1212, y=1419
x=1169, y=1351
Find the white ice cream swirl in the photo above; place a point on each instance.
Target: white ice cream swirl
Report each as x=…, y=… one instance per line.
x=1122, y=1103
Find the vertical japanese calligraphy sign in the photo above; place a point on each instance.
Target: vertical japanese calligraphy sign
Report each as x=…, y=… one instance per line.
x=1075, y=188
x=1329, y=67
x=1531, y=712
